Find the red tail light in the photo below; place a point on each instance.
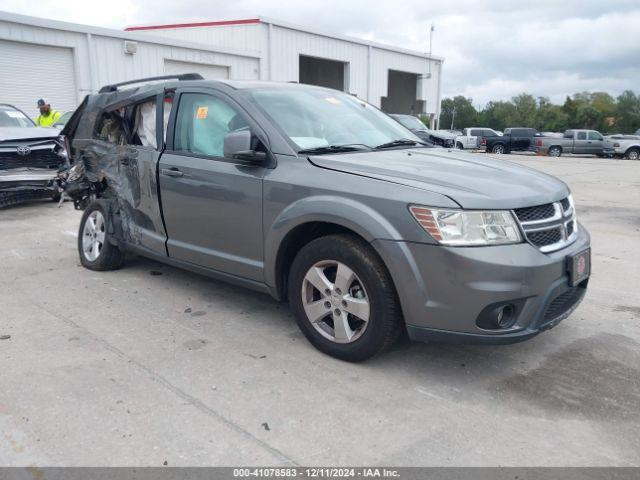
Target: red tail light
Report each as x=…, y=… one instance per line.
x=538, y=142
x=484, y=141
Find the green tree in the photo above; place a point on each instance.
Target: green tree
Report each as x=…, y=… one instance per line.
x=627, y=116
x=498, y=115
x=457, y=111
x=525, y=110
x=550, y=117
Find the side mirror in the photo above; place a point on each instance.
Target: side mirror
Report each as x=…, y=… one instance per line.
x=237, y=145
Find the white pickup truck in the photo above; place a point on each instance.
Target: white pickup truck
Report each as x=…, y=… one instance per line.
x=471, y=138
x=627, y=146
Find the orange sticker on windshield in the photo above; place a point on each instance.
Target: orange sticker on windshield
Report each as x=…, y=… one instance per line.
x=202, y=112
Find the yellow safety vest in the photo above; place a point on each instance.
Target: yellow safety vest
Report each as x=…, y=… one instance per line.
x=48, y=120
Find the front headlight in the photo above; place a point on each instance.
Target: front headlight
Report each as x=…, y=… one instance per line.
x=468, y=227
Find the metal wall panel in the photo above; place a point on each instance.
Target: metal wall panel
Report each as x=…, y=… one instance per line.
x=99, y=58
x=29, y=72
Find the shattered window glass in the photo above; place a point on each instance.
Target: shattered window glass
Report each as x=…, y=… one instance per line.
x=202, y=123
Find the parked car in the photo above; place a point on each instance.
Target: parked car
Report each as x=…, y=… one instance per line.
x=471, y=138
x=315, y=196
x=637, y=132
x=627, y=146
x=516, y=139
x=573, y=141
x=30, y=157
x=433, y=137
x=62, y=121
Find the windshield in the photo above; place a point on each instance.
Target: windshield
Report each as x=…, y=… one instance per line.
x=410, y=122
x=12, y=117
x=62, y=121
x=314, y=118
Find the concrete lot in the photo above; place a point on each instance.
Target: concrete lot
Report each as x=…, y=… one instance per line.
x=150, y=364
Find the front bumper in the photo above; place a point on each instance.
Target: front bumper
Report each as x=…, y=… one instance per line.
x=21, y=185
x=443, y=290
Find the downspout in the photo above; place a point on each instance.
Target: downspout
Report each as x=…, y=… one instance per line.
x=270, y=49
x=439, y=93
x=92, y=64
x=369, y=48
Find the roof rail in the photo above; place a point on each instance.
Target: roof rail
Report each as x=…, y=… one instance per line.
x=185, y=76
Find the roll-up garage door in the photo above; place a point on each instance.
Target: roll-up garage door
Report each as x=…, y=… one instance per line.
x=208, y=71
x=30, y=71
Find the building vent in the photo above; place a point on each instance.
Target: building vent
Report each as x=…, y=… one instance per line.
x=130, y=47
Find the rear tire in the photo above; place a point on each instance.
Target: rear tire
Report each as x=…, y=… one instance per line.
x=498, y=149
x=555, y=151
x=633, y=154
x=369, y=292
x=95, y=246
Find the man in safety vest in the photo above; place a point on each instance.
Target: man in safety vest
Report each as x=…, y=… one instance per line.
x=47, y=116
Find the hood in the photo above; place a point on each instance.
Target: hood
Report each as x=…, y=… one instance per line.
x=471, y=180
x=27, y=133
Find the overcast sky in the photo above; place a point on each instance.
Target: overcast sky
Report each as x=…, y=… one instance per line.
x=493, y=49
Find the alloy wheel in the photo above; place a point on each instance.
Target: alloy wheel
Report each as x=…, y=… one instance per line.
x=93, y=235
x=335, y=301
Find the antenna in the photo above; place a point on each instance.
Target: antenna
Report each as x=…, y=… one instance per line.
x=431, y=29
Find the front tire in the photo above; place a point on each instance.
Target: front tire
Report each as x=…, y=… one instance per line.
x=95, y=246
x=343, y=298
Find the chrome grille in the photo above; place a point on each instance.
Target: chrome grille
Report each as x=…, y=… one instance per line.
x=548, y=227
x=534, y=213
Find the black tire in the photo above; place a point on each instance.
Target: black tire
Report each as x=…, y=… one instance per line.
x=385, y=323
x=555, y=151
x=459, y=146
x=499, y=149
x=110, y=256
x=633, y=154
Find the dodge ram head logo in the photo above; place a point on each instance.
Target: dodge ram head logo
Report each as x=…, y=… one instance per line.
x=23, y=150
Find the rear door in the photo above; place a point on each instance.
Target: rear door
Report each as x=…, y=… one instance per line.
x=520, y=138
x=474, y=138
x=580, y=144
x=212, y=205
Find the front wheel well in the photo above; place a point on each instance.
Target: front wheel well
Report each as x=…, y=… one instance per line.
x=295, y=240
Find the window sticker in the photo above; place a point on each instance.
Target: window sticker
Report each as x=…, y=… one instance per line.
x=202, y=113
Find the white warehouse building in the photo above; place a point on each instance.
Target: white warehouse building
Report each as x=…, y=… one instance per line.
x=62, y=62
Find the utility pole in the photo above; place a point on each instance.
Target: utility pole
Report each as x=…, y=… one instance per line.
x=453, y=116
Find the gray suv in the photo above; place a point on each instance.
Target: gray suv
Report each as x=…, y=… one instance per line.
x=316, y=197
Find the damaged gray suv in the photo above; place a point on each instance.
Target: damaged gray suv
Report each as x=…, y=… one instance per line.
x=317, y=197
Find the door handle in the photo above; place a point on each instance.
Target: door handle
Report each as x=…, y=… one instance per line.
x=171, y=172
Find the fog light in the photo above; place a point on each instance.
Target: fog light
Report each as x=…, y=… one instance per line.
x=505, y=317
x=499, y=316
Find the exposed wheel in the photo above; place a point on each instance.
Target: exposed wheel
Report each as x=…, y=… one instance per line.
x=498, y=149
x=459, y=146
x=633, y=154
x=95, y=249
x=343, y=298
x=555, y=151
